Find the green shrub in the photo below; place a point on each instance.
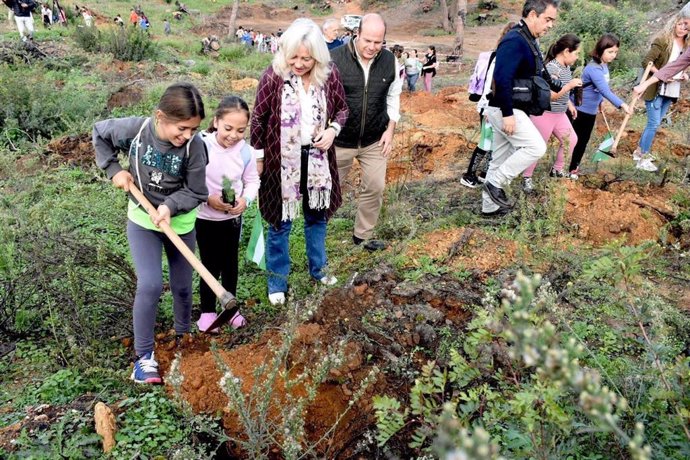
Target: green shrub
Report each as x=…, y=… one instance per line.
x=202, y=68
x=589, y=20
x=88, y=39
x=65, y=268
x=33, y=106
x=129, y=44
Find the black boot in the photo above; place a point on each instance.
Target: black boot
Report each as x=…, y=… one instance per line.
x=469, y=179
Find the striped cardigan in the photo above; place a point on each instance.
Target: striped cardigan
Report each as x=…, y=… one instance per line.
x=265, y=134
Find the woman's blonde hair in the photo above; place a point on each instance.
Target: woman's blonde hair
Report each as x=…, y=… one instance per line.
x=668, y=33
x=303, y=32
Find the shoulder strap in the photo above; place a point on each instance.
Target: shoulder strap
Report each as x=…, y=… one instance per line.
x=246, y=154
x=535, y=51
x=137, y=143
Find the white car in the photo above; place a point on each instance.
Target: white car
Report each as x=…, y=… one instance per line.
x=350, y=21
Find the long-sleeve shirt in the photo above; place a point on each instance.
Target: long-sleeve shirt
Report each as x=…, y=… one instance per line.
x=515, y=59
x=231, y=164
x=667, y=72
x=166, y=174
x=595, y=81
x=266, y=132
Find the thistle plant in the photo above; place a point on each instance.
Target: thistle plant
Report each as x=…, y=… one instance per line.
x=520, y=377
x=298, y=378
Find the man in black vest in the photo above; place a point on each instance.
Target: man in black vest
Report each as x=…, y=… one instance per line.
x=372, y=88
x=517, y=143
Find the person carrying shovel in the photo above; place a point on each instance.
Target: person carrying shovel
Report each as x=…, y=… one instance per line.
x=168, y=164
x=595, y=81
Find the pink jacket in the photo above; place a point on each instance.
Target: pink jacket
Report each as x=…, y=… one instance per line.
x=228, y=162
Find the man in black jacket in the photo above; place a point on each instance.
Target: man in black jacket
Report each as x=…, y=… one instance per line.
x=22, y=10
x=372, y=88
x=517, y=143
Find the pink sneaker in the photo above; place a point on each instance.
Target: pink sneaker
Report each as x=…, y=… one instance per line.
x=205, y=320
x=238, y=321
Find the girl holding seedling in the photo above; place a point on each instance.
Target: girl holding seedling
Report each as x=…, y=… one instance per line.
x=233, y=182
x=167, y=162
x=595, y=81
x=561, y=55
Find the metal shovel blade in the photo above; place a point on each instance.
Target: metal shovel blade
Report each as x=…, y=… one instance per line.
x=230, y=309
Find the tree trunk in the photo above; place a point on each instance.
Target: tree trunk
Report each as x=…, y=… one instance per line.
x=452, y=14
x=444, y=17
x=232, y=25
x=460, y=27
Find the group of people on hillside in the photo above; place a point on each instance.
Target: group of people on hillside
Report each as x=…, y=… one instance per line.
x=22, y=12
x=525, y=98
x=315, y=113
x=263, y=43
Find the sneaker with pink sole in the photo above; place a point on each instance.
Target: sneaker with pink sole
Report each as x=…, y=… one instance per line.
x=206, y=319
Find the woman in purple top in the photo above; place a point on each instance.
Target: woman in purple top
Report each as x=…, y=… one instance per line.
x=299, y=110
x=595, y=81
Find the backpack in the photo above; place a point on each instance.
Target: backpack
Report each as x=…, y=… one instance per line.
x=476, y=85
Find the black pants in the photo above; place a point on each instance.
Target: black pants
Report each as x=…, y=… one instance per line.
x=218, y=243
x=583, y=126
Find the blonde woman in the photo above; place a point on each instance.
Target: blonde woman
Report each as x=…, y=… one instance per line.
x=666, y=47
x=299, y=110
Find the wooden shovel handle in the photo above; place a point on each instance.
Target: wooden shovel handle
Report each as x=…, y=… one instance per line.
x=227, y=300
x=632, y=108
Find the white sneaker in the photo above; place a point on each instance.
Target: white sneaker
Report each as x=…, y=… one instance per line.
x=646, y=165
x=328, y=280
x=527, y=185
x=639, y=155
x=277, y=298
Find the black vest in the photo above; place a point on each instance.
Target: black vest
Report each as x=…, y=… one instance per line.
x=368, y=117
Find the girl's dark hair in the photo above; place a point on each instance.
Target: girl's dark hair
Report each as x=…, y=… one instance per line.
x=182, y=101
x=566, y=42
x=432, y=48
x=229, y=104
x=505, y=30
x=605, y=42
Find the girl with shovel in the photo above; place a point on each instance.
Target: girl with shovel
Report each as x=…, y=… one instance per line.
x=595, y=81
x=168, y=164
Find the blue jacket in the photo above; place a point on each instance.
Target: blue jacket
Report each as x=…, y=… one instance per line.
x=595, y=80
x=515, y=59
x=19, y=10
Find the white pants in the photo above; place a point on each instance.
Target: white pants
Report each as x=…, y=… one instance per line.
x=511, y=154
x=25, y=25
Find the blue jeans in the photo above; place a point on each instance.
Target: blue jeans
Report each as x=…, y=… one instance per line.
x=412, y=81
x=278, y=248
x=656, y=111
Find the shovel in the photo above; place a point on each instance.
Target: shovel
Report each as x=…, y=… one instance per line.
x=227, y=300
x=632, y=108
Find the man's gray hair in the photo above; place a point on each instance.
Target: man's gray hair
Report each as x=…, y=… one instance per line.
x=538, y=6
x=328, y=23
x=685, y=12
